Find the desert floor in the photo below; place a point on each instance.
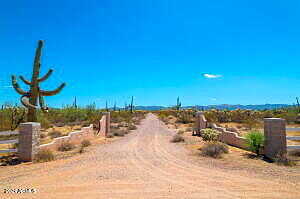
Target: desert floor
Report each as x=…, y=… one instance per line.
x=144, y=164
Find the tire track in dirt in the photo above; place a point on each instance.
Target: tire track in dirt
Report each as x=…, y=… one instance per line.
x=144, y=164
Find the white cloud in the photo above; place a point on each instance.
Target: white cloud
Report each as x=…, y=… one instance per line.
x=211, y=76
x=213, y=99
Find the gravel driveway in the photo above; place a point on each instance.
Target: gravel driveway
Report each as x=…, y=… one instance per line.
x=144, y=164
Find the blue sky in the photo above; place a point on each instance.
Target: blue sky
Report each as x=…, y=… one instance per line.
x=155, y=50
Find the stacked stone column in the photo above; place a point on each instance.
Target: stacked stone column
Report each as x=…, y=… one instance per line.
x=275, y=137
x=29, y=135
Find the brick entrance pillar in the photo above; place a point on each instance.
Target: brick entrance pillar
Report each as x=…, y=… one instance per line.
x=29, y=136
x=275, y=137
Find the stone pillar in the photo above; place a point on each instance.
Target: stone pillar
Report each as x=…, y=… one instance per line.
x=107, y=123
x=29, y=136
x=275, y=137
x=201, y=122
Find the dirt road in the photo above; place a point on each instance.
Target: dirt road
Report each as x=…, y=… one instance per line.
x=144, y=164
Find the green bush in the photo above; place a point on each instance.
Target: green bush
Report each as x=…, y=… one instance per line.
x=255, y=141
x=44, y=156
x=85, y=143
x=66, y=146
x=177, y=138
x=210, y=135
x=214, y=149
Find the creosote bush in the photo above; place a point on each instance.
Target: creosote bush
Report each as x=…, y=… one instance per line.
x=44, y=155
x=210, y=135
x=214, y=149
x=177, y=138
x=255, y=141
x=66, y=146
x=85, y=143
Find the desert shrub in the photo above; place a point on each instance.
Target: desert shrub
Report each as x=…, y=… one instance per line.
x=44, y=155
x=188, y=129
x=254, y=141
x=85, y=143
x=81, y=149
x=184, y=117
x=119, y=125
x=11, y=116
x=295, y=153
x=110, y=135
x=66, y=146
x=44, y=121
x=177, y=138
x=210, y=134
x=132, y=127
x=251, y=123
x=214, y=149
x=55, y=134
x=180, y=132
x=120, y=133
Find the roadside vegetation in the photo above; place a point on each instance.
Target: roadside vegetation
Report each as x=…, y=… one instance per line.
x=246, y=123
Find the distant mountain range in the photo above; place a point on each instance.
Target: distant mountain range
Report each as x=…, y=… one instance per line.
x=220, y=107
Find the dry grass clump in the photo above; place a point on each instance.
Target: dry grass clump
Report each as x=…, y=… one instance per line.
x=214, y=149
x=295, y=153
x=43, y=135
x=85, y=143
x=110, y=135
x=177, y=138
x=66, y=146
x=132, y=127
x=120, y=133
x=81, y=149
x=55, y=134
x=44, y=155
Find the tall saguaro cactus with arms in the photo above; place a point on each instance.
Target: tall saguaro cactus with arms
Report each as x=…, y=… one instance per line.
x=31, y=98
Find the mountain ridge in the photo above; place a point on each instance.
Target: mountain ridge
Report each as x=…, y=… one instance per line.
x=220, y=106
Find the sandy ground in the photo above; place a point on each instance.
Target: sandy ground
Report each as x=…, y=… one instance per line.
x=144, y=164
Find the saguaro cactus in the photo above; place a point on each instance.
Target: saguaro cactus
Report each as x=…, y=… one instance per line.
x=178, y=104
x=131, y=105
x=31, y=98
x=115, y=106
